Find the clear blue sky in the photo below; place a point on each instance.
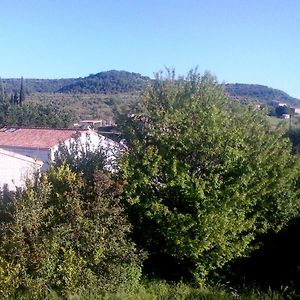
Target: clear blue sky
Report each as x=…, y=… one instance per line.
x=248, y=41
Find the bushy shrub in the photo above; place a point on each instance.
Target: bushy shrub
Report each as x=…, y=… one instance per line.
x=65, y=235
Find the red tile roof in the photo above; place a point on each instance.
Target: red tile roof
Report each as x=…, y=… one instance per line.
x=42, y=138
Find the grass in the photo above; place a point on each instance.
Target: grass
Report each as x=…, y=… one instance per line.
x=159, y=290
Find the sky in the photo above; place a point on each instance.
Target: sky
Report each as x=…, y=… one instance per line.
x=245, y=41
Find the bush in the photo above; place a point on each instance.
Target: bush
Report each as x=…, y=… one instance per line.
x=205, y=177
x=67, y=236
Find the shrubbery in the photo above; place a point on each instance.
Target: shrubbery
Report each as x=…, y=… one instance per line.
x=64, y=235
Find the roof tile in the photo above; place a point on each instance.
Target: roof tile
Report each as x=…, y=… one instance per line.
x=42, y=138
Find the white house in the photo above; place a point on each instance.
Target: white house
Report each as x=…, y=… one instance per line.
x=40, y=144
x=16, y=168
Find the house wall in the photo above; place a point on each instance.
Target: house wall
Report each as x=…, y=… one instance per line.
x=43, y=155
x=14, y=171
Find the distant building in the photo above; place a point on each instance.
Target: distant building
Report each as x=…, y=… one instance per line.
x=94, y=123
x=296, y=110
x=285, y=116
x=40, y=144
x=281, y=104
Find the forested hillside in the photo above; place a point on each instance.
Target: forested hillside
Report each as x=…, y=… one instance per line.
x=259, y=93
x=108, y=82
x=115, y=82
x=104, y=82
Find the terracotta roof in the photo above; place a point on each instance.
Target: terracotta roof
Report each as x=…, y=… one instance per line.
x=42, y=138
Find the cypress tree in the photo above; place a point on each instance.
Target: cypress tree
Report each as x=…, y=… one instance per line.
x=15, y=98
x=12, y=102
x=2, y=93
x=22, y=92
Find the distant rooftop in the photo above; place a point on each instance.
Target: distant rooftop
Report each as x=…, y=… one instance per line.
x=41, y=138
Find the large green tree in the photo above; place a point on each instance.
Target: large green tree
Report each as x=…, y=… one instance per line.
x=205, y=176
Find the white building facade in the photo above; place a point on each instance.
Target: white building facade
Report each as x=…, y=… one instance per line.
x=40, y=145
x=16, y=168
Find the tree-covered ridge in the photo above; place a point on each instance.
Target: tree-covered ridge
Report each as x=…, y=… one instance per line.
x=126, y=82
x=259, y=93
x=104, y=82
x=108, y=82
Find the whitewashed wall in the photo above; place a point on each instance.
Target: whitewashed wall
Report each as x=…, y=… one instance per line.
x=15, y=169
x=43, y=155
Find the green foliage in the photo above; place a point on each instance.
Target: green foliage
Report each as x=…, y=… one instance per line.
x=294, y=135
x=85, y=106
x=258, y=92
x=35, y=115
x=9, y=280
x=108, y=82
x=65, y=235
x=158, y=290
x=205, y=177
x=81, y=159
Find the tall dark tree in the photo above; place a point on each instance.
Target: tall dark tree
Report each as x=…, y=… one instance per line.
x=22, y=92
x=15, y=98
x=1, y=90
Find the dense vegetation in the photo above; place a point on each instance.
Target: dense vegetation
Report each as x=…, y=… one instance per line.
x=86, y=106
x=259, y=93
x=202, y=179
x=202, y=182
x=108, y=82
x=65, y=233
x=14, y=111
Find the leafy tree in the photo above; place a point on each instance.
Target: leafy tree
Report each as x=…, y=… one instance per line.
x=205, y=176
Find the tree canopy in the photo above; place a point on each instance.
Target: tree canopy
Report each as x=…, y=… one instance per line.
x=205, y=176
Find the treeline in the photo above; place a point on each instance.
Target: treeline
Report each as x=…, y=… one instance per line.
x=200, y=184
x=15, y=111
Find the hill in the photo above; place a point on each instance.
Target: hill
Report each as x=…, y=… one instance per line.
x=104, y=82
x=116, y=82
x=259, y=93
x=108, y=82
